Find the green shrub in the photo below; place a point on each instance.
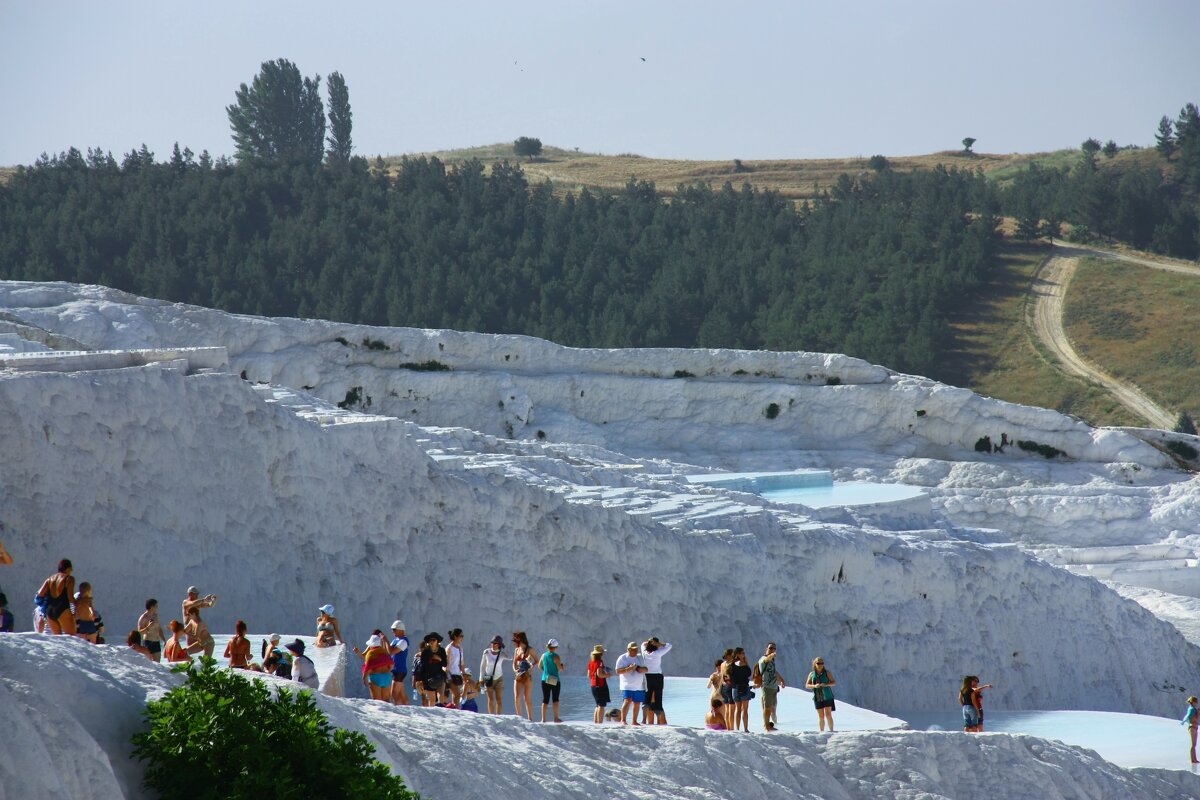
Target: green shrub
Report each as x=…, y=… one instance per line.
x=220, y=736
x=983, y=444
x=1183, y=450
x=426, y=366
x=375, y=344
x=833, y=381
x=772, y=411
x=1043, y=450
x=683, y=373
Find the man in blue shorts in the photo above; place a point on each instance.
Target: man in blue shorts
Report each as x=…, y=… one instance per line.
x=632, y=672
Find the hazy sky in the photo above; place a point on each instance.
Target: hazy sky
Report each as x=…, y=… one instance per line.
x=719, y=80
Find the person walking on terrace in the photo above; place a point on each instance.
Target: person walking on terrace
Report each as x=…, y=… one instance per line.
x=770, y=682
x=821, y=682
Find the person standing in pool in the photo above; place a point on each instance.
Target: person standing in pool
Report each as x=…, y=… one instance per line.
x=977, y=700
x=631, y=671
x=150, y=628
x=524, y=657
x=821, y=682
x=1190, y=721
x=772, y=682
x=652, y=652
x=552, y=667
x=598, y=676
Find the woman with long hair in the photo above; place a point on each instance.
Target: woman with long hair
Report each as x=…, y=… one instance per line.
x=821, y=683
x=524, y=657
x=175, y=651
x=727, y=704
x=238, y=649
x=454, y=664
x=491, y=674
x=739, y=673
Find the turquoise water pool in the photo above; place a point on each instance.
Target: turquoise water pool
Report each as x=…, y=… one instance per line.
x=814, y=488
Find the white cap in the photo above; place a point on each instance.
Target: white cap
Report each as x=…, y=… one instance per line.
x=374, y=641
x=274, y=638
x=327, y=608
x=398, y=625
x=552, y=643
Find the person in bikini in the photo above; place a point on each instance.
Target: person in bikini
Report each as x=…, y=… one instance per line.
x=524, y=658
x=238, y=649
x=328, y=632
x=198, y=637
x=174, y=650
x=151, y=630
x=56, y=591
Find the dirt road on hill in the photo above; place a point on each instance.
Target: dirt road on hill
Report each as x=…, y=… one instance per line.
x=1045, y=317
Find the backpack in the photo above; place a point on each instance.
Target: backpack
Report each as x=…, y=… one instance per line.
x=757, y=676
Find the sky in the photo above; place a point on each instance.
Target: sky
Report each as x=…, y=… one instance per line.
x=753, y=80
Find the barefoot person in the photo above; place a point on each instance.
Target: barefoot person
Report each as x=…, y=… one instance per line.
x=398, y=648
x=433, y=669
x=238, y=649
x=328, y=632
x=1190, y=720
x=977, y=699
x=821, y=683
x=194, y=600
x=598, y=676
x=87, y=622
x=652, y=652
x=56, y=591
x=552, y=667
x=770, y=682
x=491, y=674
x=740, y=673
x=714, y=720
x=632, y=674
x=151, y=630
x=524, y=658
x=175, y=651
x=198, y=638
x=377, y=667
x=454, y=665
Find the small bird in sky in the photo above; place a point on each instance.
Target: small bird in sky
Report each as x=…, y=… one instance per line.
x=643, y=58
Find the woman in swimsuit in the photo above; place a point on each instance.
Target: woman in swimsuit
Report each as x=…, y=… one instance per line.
x=727, y=704
x=151, y=630
x=198, y=637
x=377, y=667
x=57, y=591
x=523, y=660
x=328, y=632
x=714, y=720
x=238, y=649
x=174, y=650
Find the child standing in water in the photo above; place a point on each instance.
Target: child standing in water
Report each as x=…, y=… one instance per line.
x=1190, y=720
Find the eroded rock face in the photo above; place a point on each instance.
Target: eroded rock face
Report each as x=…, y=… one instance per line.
x=152, y=479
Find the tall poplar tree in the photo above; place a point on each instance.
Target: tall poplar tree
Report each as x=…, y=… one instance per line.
x=340, y=121
x=279, y=117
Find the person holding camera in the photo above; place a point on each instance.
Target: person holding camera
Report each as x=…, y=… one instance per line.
x=631, y=671
x=491, y=674
x=194, y=600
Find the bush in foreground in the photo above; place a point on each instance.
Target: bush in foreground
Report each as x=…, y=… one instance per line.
x=220, y=735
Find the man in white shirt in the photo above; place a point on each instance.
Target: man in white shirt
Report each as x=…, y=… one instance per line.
x=632, y=672
x=652, y=652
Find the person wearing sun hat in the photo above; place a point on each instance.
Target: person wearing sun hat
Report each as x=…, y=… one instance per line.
x=598, y=676
x=491, y=674
x=303, y=669
x=377, y=667
x=328, y=632
x=551, y=678
x=632, y=672
x=398, y=647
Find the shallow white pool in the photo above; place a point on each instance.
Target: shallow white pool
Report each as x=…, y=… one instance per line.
x=812, y=488
x=1128, y=740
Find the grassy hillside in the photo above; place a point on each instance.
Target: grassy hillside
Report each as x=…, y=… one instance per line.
x=998, y=357
x=1140, y=325
x=793, y=178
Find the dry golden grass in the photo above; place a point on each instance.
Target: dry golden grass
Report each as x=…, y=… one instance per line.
x=793, y=178
x=1139, y=324
x=997, y=356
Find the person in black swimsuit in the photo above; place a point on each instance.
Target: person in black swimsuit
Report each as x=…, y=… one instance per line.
x=57, y=591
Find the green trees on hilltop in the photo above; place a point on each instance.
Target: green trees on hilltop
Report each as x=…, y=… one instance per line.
x=340, y=119
x=873, y=269
x=279, y=116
